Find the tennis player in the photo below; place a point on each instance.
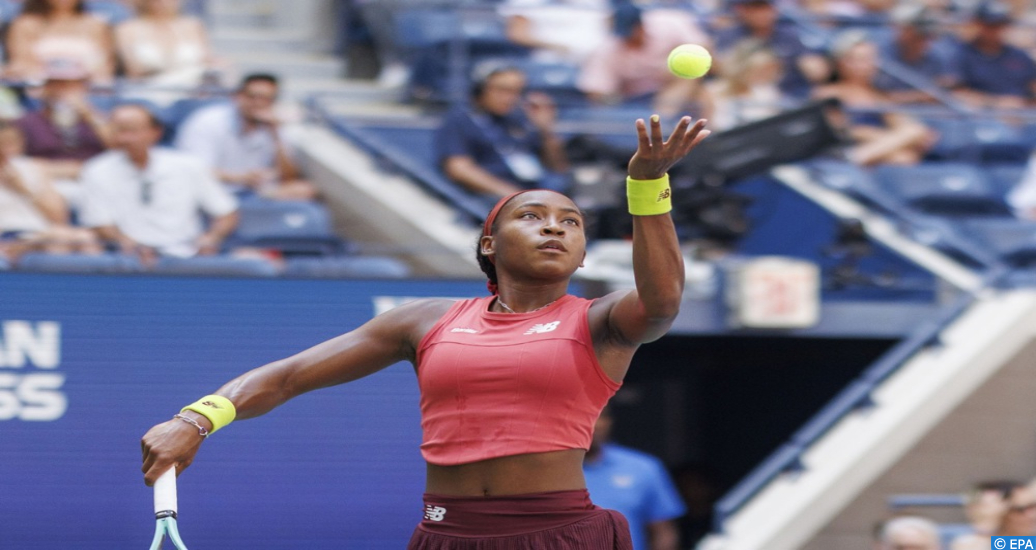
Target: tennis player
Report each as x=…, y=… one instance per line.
x=511, y=384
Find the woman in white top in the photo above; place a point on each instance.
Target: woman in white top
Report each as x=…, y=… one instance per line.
x=52, y=29
x=163, y=48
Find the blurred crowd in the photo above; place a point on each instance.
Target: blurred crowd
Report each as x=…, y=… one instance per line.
x=892, y=67
x=121, y=132
x=992, y=508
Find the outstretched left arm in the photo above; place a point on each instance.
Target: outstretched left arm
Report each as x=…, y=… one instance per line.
x=646, y=313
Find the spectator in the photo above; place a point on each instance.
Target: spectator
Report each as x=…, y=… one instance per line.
x=243, y=143
x=635, y=484
x=66, y=130
x=759, y=19
x=33, y=215
x=880, y=135
x=49, y=29
x=557, y=30
x=994, y=74
x=631, y=66
x=748, y=86
x=909, y=533
x=500, y=143
x=915, y=45
x=149, y=201
x=163, y=48
x=1002, y=508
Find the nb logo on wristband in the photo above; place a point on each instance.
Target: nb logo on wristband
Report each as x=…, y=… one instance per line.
x=665, y=194
x=434, y=513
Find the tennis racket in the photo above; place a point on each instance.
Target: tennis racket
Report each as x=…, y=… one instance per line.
x=165, y=511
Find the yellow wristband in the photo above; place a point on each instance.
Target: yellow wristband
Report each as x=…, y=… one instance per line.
x=649, y=197
x=218, y=409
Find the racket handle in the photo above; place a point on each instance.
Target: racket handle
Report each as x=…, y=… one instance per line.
x=165, y=493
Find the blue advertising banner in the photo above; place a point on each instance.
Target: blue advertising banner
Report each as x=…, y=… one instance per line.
x=89, y=363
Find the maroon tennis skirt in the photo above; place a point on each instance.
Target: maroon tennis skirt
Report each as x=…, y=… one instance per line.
x=559, y=520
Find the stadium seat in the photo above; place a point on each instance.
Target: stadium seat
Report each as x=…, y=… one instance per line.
x=857, y=182
x=945, y=189
x=292, y=227
x=1013, y=241
x=219, y=266
x=78, y=263
x=979, y=140
x=556, y=79
x=1004, y=177
x=4, y=264
x=346, y=267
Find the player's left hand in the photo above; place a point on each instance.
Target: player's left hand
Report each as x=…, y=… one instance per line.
x=655, y=155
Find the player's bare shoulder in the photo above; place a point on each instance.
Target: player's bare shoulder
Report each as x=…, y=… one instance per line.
x=416, y=317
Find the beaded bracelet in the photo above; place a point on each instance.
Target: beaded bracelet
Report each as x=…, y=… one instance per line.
x=201, y=429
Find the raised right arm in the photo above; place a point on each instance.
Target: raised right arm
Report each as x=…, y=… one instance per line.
x=383, y=341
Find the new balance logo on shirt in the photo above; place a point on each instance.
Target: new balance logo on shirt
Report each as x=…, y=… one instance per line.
x=540, y=328
x=434, y=513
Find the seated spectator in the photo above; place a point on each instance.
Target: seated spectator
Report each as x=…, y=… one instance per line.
x=66, y=130
x=49, y=29
x=992, y=73
x=557, y=30
x=148, y=200
x=162, y=48
x=33, y=215
x=637, y=485
x=880, y=135
x=631, y=66
x=747, y=87
x=760, y=19
x=242, y=142
x=909, y=532
x=500, y=144
x=915, y=45
x=1001, y=508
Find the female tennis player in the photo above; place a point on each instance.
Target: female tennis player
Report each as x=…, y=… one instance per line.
x=512, y=383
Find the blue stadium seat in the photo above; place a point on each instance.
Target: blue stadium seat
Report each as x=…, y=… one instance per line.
x=857, y=182
x=1012, y=240
x=78, y=263
x=554, y=78
x=945, y=189
x=218, y=266
x=419, y=28
x=174, y=115
x=1003, y=178
x=4, y=264
x=982, y=140
x=292, y=227
x=346, y=267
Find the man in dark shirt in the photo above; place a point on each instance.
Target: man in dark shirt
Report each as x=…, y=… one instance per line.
x=993, y=73
x=759, y=19
x=504, y=141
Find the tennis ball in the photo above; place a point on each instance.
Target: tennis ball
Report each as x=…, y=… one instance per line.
x=689, y=61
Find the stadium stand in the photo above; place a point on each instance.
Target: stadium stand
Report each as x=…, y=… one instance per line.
x=78, y=263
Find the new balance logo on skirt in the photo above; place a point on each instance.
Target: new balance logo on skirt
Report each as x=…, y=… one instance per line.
x=434, y=513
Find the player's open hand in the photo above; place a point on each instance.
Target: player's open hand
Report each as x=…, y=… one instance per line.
x=655, y=156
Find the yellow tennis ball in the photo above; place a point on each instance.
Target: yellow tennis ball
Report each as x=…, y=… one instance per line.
x=689, y=61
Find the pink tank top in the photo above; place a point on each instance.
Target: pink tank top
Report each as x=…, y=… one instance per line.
x=502, y=384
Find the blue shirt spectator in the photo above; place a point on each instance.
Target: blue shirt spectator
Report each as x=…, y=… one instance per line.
x=759, y=19
x=635, y=484
x=915, y=43
x=504, y=141
x=992, y=72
